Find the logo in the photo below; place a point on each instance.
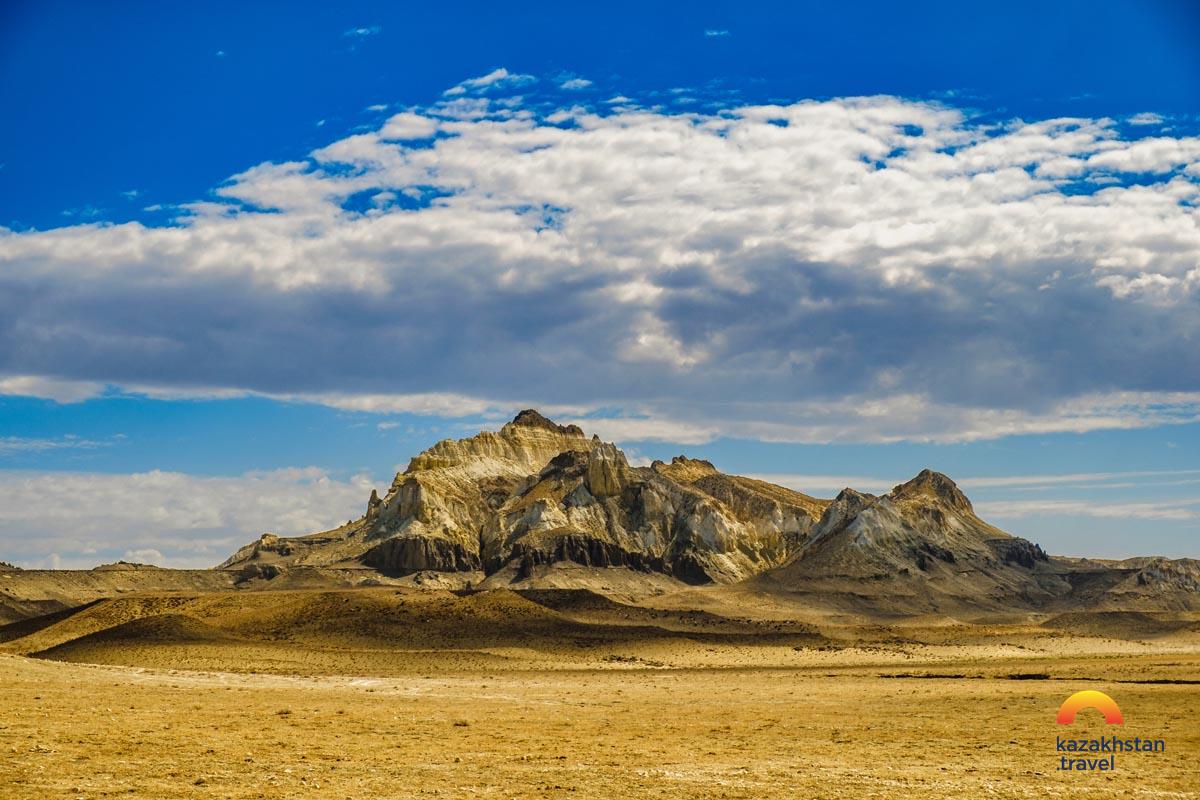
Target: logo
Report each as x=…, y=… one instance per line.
x=1090, y=699
x=1089, y=754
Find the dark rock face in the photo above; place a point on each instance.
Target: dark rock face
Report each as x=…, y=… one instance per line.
x=403, y=555
x=689, y=569
x=926, y=550
x=263, y=571
x=1018, y=551
x=530, y=418
x=583, y=550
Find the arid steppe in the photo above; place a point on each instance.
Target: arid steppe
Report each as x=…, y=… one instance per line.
x=494, y=694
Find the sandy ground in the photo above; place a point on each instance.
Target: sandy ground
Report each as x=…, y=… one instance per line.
x=829, y=726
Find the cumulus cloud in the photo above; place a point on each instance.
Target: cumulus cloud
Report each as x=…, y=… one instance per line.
x=857, y=269
x=405, y=125
x=165, y=518
x=146, y=555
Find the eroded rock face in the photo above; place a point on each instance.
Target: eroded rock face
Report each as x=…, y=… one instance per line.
x=511, y=502
x=919, y=548
x=1158, y=583
x=607, y=471
x=535, y=492
x=593, y=509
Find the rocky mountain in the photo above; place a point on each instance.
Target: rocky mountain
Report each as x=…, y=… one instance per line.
x=536, y=493
x=536, y=504
x=919, y=548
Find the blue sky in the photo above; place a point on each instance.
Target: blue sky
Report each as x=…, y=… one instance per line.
x=252, y=260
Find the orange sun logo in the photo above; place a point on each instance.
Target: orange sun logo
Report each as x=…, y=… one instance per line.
x=1090, y=699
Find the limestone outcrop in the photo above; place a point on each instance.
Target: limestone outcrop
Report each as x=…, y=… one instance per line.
x=535, y=493
x=536, y=498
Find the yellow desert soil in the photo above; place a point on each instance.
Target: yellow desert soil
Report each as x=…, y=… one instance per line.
x=71, y=730
x=384, y=693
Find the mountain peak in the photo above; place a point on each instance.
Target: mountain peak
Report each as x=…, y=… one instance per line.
x=532, y=418
x=931, y=484
x=685, y=469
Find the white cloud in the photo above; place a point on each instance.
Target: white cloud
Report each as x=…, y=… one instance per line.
x=860, y=269
x=1154, y=155
x=430, y=403
x=896, y=418
x=632, y=429
x=651, y=342
x=167, y=518
x=362, y=32
x=1016, y=509
x=21, y=444
x=144, y=556
x=716, y=33
x=575, y=83
x=408, y=125
x=829, y=485
x=59, y=390
x=497, y=78
x=1146, y=118
x=1045, y=481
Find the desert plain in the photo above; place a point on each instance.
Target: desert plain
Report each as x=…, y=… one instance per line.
x=394, y=692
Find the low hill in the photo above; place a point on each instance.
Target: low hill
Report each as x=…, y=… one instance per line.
x=372, y=629
x=31, y=592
